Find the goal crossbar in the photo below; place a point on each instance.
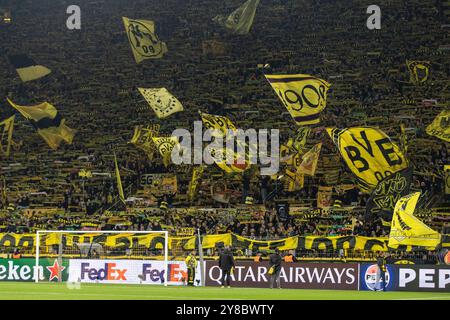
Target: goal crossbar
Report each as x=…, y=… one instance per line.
x=166, y=243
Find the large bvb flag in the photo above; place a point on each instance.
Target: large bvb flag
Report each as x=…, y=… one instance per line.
x=369, y=153
x=304, y=96
x=406, y=229
x=48, y=122
x=27, y=68
x=143, y=40
x=241, y=20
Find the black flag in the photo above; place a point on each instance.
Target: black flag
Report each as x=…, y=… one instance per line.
x=386, y=194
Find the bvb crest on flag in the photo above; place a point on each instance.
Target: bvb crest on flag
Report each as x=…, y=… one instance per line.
x=220, y=123
x=419, y=71
x=143, y=40
x=369, y=153
x=440, y=127
x=165, y=145
x=142, y=139
x=161, y=101
x=304, y=96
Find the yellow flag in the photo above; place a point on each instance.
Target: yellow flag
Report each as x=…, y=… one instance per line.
x=27, y=68
x=310, y=160
x=161, y=101
x=406, y=229
x=83, y=173
x=324, y=197
x=142, y=139
x=294, y=181
x=8, y=127
x=143, y=40
x=220, y=123
x=169, y=184
x=440, y=127
x=419, y=71
x=304, y=96
x=197, y=173
x=300, y=138
x=369, y=153
x=48, y=122
x=165, y=145
x=285, y=154
x=223, y=125
x=241, y=20
x=119, y=180
x=235, y=167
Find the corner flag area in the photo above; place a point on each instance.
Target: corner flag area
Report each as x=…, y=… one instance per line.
x=63, y=291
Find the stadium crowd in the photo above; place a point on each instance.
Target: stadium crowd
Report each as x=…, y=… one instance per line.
x=94, y=85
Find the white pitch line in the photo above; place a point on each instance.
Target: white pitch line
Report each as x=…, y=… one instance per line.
x=77, y=293
x=427, y=298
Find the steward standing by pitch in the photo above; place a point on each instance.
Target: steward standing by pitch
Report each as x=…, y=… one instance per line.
x=275, y=268
x=226, y=264
x=191, y=264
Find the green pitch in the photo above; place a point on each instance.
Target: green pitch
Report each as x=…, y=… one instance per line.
x=56, y=291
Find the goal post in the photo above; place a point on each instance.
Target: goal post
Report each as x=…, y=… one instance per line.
x=103, y=256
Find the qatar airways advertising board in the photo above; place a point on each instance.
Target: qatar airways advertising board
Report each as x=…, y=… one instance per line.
x=294, y=275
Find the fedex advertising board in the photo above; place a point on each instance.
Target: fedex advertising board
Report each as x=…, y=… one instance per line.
x=127, y=271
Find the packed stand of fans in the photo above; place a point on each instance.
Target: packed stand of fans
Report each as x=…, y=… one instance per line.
x=94, y=85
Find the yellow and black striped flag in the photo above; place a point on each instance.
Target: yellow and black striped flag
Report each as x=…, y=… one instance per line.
x=48, y=123
x=27, y=68
x=304, y=96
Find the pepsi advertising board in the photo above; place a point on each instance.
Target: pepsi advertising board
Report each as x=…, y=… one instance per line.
x=370, y=277
x=423, y=278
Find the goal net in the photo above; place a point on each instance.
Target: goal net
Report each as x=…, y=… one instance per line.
x=126, y=257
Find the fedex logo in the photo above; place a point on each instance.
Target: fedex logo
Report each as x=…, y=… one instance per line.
x=176, y=273
x=109, y=272
x=153, y=274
